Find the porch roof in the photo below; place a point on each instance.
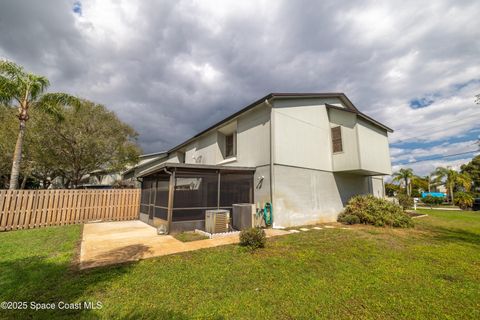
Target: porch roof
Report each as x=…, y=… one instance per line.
x=171, y=165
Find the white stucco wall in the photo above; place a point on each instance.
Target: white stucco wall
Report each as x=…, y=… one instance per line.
x=374, y=148
x=302, y=135
x=378, y=188
x=252, y=142
x=253, y=138
x=204, y=150
x=306, y=196
x=348, y=158
x=262, y=186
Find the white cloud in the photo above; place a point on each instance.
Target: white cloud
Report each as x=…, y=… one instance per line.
x=426, y=167
x=172, y=68
x=443, y=149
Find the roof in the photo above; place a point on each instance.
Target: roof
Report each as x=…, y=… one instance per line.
x=152, y=154
x=171, y=165
x=284, y=95
x=155, y=156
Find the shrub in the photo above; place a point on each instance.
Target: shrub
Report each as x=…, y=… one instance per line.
x=348, y=219
x=432, y=201
x=253, y=238
x=464, y=200
x=375, y=211
x=404, y=201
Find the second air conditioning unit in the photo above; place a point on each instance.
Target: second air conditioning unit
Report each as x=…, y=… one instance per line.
x=244, y=216
x=217, y=221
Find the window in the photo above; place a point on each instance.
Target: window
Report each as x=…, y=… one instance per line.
x=337, y=139
x=230, y=145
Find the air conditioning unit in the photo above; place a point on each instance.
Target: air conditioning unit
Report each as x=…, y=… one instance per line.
x=244, y=216
x=217, y=221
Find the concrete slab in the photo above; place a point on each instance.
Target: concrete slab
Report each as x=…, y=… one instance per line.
x=304, y=229
x=109, y=243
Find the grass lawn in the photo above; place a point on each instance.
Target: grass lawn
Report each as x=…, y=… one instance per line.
x=189, y=236
x=429, y=272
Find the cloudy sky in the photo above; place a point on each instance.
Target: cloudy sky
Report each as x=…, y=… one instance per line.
x=172, y=68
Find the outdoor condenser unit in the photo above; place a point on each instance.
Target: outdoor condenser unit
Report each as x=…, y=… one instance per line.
x=216, y=221
x=244, y=216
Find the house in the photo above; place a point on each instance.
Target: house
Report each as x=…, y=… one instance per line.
x=102, y=179
x=145, y=162
x=305, y=154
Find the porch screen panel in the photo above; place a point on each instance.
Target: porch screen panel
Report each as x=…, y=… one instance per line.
x=145, y=195
x=235, y=188
x=188, y=214
x=195, y=192
x=161, y=199
x=161, y=213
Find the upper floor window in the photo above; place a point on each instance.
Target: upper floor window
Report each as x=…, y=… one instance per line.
x=230, y=145
x=337, y=139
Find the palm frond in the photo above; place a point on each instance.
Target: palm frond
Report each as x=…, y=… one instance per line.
x=53, y=103
x=10, y=69
x=11, y=81
x=37, y=85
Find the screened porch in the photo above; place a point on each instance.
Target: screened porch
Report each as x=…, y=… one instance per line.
x=176, y=196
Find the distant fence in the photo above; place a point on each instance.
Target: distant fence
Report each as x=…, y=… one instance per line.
x=23, y=209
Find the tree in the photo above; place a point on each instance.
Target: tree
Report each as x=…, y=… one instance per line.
x=87, y=138
x=406, y=175
x=7, y=143
x=473, y=170
x=464, y=200
x=391, y=189
x=453, y=179
x=27, y=91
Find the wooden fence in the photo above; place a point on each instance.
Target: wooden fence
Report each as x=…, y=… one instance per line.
x=23, y=209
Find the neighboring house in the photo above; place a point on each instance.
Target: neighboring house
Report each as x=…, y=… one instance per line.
x=101, y=179
x=305, y=154
x=145, y=162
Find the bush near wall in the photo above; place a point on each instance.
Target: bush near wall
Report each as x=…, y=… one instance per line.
x=368, y=209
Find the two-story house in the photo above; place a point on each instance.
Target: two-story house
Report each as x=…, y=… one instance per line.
x=305, y=154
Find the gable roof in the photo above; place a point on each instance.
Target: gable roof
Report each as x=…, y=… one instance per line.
x=283, y=95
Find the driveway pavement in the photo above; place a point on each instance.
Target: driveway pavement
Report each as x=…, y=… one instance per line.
x=122, y=241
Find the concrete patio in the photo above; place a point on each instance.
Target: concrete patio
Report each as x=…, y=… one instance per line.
x=109, y=243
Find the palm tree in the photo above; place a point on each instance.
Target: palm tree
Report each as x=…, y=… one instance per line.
x=406, y=175
x=27, y=91
x=453, y=179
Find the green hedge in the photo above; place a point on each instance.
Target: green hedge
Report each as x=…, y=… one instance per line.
x=375, y=211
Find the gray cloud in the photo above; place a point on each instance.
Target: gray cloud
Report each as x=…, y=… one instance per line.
x=172, y=68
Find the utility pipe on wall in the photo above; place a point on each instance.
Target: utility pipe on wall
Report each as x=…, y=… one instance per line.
x=272, y=149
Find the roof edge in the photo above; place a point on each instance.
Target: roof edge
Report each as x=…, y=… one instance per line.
x=166, y=165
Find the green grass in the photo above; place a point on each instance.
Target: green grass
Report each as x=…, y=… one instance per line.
x=431, y=271
x=189, y=236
